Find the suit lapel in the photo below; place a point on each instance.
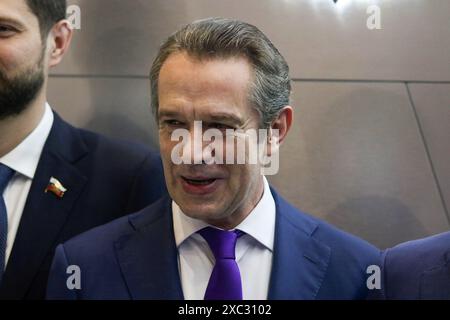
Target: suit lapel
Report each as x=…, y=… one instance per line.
x=44, y=214
x=299, y=261
x=148, y=257
x=149, y=261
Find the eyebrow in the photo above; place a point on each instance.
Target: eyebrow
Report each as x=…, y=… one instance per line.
x=219, y=117
x=168, y=114
x=14, y=22
x=216, y=117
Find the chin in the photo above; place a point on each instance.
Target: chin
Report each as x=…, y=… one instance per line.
x=199, y=211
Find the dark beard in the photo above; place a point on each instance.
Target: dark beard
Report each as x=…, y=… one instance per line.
x=18, y=92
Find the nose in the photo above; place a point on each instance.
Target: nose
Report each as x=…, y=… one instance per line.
x=195, y=149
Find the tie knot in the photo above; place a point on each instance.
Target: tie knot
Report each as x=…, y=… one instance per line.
x=221, y=242
x=6, y=174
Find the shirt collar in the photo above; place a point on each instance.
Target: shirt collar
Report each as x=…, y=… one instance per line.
x=24, y=158
x=259, y=224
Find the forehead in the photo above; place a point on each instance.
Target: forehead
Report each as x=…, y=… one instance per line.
x=16, y=10
x=204, y=81
x=183, y=69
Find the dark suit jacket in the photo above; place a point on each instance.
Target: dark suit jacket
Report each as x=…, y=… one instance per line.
x=417, y=269
x=105, y=180
x=135, y=257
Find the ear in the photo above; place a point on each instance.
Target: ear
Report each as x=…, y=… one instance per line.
x=58, y=41
x=279, y=129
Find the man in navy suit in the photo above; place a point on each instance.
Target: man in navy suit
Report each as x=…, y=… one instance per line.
x=221, y=87
x=418, y=269
x=56, y=181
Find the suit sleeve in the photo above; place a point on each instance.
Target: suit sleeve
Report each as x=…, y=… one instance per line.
x=57, y=288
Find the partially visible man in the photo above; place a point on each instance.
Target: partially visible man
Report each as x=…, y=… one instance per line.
x=415, y=270
x=223, y=233
x=56, y=181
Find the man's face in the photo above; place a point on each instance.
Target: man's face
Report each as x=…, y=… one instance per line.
x=215, y=92
x=21, y=57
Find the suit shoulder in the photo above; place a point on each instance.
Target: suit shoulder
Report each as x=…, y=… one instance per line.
x=404, y=264
x=347, y=252
x=124, y=164
x=326, y=233
x=96, y=241
x=422, y=253
x=116, y=147
x=346, y=241
x=345, y=257
x=99, y=239
x=93, y=150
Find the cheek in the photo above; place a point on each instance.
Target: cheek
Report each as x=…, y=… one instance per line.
x=246, y=177
x=239, y=177
x=166, y=146
x=18, y=57
x=9, y=59
x=165, y=151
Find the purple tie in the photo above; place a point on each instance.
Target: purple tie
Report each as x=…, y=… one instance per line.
x=225, y=281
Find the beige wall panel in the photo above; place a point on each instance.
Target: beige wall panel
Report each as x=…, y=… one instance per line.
x=318, y=38
x=355, y=158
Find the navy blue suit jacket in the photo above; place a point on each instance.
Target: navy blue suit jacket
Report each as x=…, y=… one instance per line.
x=104, y=179
x=418, y=269
x=135, y=257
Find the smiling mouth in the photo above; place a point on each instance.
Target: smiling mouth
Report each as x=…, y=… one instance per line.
x=199, y=181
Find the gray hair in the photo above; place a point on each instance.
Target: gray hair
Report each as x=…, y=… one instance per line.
x=225, y=38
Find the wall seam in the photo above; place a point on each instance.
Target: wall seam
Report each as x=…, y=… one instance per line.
x=427, y=151
x=122, y=76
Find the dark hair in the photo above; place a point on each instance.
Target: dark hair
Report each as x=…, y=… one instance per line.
x=48, y=12
x=224, y=38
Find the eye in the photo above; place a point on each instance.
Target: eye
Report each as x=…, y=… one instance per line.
x=173, y=123
x=6, y=31
x=220, y=126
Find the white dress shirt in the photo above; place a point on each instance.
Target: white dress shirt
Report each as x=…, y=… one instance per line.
x=23, y=160
x=253, y=251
